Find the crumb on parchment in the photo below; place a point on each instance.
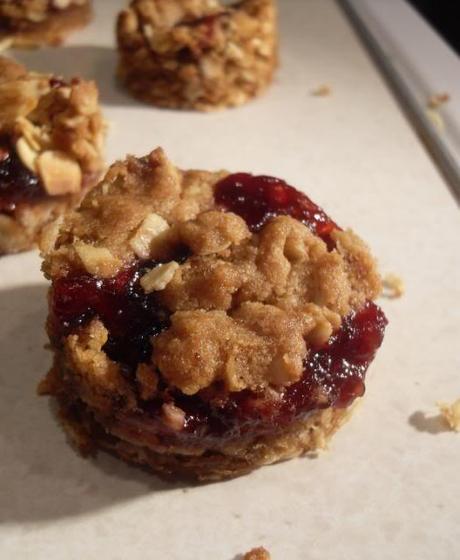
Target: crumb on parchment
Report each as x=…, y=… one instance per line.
x=324, y=90
x=259, y=553
x=437, y=99
x=451, y=414
x=393, y=286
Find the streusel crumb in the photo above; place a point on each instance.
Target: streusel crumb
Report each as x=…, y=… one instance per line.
x=197, y=54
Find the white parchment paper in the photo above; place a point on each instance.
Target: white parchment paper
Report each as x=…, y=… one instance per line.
x=388, y=487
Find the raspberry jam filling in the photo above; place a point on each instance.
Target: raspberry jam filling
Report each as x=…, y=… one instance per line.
x=258, y=198
x=18, y=185
x=333, y=375
x=130, y=315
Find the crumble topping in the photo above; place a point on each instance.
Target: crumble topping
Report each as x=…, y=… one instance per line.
x=57, y=128
x=245, y=308
x=198, y=54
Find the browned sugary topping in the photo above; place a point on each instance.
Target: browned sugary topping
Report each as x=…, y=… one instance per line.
x=245, y=307
x=259, y=553
x=198, y=54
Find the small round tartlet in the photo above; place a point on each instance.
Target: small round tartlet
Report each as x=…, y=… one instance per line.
x=205, y=324
x=197, y=54
x=35, y=23
x=51, y=140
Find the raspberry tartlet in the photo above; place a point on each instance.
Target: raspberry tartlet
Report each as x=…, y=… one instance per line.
x=34, y=23
x=51, y=138
x=205, y=324
x=197, y=54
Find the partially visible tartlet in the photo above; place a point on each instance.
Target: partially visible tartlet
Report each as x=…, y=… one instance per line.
x=197, y=54
x=33, y=23
x=51, y=141
x=205, y=324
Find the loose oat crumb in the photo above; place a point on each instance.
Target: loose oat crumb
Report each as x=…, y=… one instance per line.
x=393, y=286
x=259, y=553
x=451, y=414
x=436, y=119
x=323, y=90
x=437, y=99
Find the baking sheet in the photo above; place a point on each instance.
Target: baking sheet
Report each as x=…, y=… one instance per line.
x=388, y=486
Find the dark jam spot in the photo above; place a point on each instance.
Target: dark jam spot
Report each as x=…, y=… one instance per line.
x=258, y=198
x=17, y=184
x=131, y=316
x=333, y=376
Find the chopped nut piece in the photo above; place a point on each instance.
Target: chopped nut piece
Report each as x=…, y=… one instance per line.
x=147, y=379
x=152, y=226
x=60, y=174
x=322, y=91
x=436, y=100
x=173, y=417
x=158, y=278
x=98, y=261
x=451, y=414
x=393, y=286
x=27, y=154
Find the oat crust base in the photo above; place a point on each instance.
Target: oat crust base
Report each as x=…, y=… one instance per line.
x=233, y=460
x=51, y=32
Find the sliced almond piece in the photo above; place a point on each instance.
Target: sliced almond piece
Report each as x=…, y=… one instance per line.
x=173, y=416
x=60, y=173
x=98, y=261
x=31, y=133
x=152, y=226
x=158, y=278
x=27, y=154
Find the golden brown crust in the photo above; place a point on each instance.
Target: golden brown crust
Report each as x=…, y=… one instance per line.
x=231, y=460
x=197, y=54
x=57, y=131
x=34, y=23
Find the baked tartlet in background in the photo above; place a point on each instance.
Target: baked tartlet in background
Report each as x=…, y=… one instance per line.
x=205, y=324
x=51, y=140
x=34, y=23
x=197, y=54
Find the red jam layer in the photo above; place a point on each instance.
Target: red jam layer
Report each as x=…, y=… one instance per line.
x=333, y=375
x=18, y=185
x=258, y=198
x=131, y=316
